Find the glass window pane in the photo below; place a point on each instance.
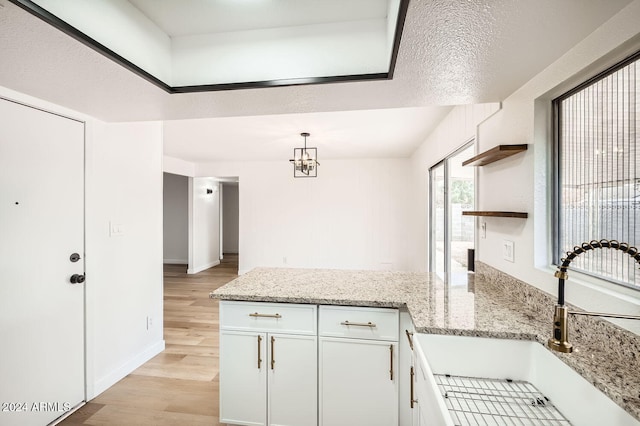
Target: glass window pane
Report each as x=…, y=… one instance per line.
x=461, y=196
x=438, y=259
x=599, y=173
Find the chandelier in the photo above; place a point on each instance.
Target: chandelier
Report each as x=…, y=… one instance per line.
x=305, y=160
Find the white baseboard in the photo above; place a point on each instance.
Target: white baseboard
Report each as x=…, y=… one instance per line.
x=112, y=378
x=203, y=267
x=175, y=261
x=242, y=272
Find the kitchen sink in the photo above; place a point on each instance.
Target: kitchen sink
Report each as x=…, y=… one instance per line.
x=551, y=385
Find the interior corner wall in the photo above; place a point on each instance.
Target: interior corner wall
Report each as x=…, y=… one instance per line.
x=204, y=224
x=175, y=219
x=230, y=218
x=124, y=271
x=457, y=128
x=352, y=216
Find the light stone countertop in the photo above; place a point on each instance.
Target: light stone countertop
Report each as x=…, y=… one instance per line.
x=493, y=304
x=432, y=309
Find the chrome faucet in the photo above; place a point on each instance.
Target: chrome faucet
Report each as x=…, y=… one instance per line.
x=560, y=341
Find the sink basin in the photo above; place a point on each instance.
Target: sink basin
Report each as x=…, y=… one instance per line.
x=576, y=399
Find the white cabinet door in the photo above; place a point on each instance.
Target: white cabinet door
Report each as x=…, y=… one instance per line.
x=243, y=378
x=293, y=380
x=358, y=382
x=406, y=380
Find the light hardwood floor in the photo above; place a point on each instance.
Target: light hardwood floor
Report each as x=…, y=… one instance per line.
x=180, y=385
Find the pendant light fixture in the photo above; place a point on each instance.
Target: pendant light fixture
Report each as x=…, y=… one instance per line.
x=305, y=160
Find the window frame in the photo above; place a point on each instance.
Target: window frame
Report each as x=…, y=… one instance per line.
x=556, y=152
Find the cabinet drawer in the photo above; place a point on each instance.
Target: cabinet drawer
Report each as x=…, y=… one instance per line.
x=359, y=323
x=268, y=317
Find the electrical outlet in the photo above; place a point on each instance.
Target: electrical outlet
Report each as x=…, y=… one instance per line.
x=284, y=260
x=508, y=253
x=149, y=323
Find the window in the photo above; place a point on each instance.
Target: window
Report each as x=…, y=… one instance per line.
x=597, y=171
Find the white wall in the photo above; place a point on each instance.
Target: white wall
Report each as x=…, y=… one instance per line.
x=175, y=219
x=177, y=166
x=350, y=217
x=230, y=217
x=204, y=224
x=458, y=128
x=522, y=182
x=124, y=273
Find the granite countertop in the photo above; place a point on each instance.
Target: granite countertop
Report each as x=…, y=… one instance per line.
x=491, y=305
x=423, y=294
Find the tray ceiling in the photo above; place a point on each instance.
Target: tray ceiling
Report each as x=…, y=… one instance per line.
x=194, y=45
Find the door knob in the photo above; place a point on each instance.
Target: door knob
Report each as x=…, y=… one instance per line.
x=77, y=279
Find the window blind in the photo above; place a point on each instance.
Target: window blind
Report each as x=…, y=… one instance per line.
x=598, y=172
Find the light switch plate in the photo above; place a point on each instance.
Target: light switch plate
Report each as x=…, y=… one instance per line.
x=508, y=251
x=116, y=229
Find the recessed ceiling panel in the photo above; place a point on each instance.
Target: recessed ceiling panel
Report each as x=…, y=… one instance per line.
x=196, y=17
x=196, y=45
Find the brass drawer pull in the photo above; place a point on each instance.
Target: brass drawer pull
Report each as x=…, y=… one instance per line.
x=273, y=344
x=410, y=337
x=391, y=362
x=411, y=399
x=256, y=315
x=259, y=355
x=359, y=324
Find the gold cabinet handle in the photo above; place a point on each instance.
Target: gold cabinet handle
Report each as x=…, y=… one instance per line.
x=256, y=315
x=359, y=324
x=391, y=362
x=411, y=399
x=273, y=360
x=259, y=355
x=410, y=337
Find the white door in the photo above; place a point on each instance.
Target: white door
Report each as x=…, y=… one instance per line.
x=358, y=382
x=293, y=380
x=41, y=226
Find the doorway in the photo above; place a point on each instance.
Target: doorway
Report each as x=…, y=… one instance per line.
x=230, y=224
x=42, y=364
x=452, y=235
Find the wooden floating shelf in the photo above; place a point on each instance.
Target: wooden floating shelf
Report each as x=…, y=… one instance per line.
x=520, y=215
x=495, y=154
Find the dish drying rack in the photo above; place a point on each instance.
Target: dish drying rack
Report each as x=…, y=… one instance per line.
x=480, y=401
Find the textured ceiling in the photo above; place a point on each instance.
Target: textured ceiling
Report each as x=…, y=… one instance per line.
x=452, y=52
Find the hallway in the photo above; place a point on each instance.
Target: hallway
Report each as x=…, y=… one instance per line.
x=179, y=385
